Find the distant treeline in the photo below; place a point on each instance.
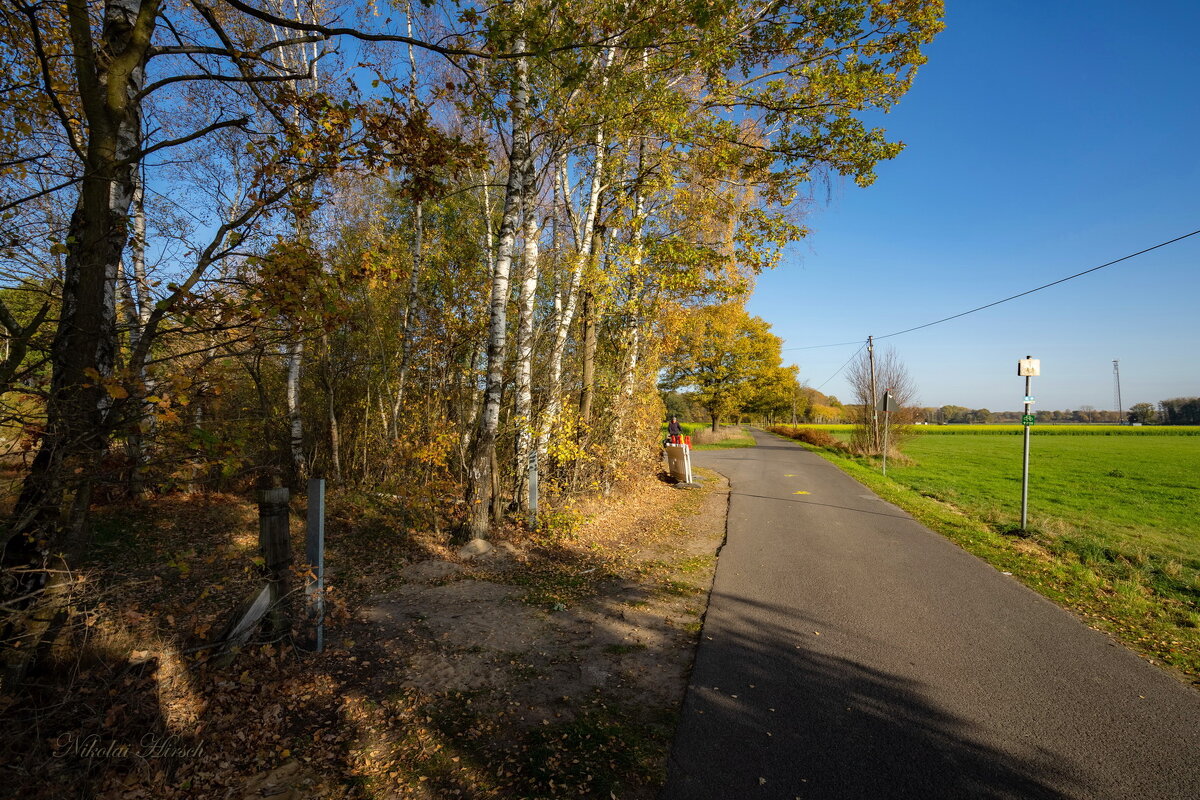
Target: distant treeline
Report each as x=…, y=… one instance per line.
x=1177, y=411
x=1180, y=411
x=813, y=407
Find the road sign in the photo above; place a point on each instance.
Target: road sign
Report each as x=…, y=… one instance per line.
x=1028, y=368
x=888, y=403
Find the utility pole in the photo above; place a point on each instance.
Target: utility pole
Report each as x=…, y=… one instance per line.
x=874, y=408
x=1117, y=390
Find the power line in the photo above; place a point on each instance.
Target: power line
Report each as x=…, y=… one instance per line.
x=1005, y=300
x=819, y=346
x=842, y=367
x=1043, y=286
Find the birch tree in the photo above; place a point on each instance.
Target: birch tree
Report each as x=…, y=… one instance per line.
x=483, y=451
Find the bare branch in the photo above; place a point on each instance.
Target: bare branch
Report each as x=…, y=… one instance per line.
x=229, y=123
x=36, y=195
x=216, y=77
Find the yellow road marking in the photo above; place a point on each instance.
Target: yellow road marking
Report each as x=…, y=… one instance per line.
x=800, y=492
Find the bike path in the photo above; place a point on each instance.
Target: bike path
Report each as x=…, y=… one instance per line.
x=850, y=652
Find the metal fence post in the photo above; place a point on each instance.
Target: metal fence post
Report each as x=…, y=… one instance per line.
x=315, y=551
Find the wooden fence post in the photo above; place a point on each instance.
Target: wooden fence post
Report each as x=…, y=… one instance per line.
x=276, y=543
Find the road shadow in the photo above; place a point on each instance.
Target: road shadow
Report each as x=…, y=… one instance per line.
x=770, y=713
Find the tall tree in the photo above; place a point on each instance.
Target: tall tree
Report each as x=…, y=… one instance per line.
x=724, y=355
x=483, y=453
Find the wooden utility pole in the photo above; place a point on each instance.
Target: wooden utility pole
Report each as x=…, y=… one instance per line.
x=874, y=396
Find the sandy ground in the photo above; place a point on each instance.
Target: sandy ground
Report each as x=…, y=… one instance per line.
x=482, y=633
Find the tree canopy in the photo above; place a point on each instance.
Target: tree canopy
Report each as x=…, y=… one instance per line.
x=264, y=240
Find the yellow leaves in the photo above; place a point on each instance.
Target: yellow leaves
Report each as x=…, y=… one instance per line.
x=113, y=385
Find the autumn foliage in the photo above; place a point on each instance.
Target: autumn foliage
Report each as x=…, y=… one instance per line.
x=410, y=249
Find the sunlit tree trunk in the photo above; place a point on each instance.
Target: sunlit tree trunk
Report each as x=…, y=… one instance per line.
x=590, y=311
x=295, y=357
x=138, y=306
x=335, y=438
x=410, y=306
x=635, y=311
x=479, y=474
x=84, y=348
x=414, y=277
x=523, y=411
x=566, y=311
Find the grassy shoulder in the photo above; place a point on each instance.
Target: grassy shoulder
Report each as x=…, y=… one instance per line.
x=1140, y=585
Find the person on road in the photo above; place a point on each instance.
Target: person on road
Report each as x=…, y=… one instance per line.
x=674, y=428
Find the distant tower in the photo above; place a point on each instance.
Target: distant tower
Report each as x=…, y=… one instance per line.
x=1117, y=388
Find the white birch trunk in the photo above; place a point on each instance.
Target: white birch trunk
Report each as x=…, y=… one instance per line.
x=418, y=254
x=479, y=476
x=523, y=410
x=636, y=258
x=295, y=356
x=335, y=438
x=563, y=320
x=410, y=308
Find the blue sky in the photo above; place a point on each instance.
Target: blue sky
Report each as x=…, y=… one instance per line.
x=1043, y=138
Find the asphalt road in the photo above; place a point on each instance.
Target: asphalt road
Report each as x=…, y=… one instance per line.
x=850, y=652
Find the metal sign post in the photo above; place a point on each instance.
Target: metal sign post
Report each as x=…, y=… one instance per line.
x=1028, y=367
x=315, y=550
x=887, y=405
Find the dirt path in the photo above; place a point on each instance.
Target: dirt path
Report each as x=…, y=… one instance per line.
x=540, y=670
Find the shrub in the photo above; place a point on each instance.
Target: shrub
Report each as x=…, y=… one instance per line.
x=817, y=438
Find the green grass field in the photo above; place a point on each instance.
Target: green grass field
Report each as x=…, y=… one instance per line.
x=1130, y=495
x=1113, y=528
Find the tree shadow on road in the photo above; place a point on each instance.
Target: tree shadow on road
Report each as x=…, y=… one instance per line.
x=771, y=713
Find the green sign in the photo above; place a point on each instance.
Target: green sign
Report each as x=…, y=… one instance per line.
x=1027, y=419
